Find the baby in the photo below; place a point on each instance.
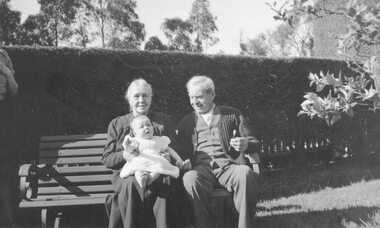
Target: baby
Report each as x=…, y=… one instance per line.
x=150, y=162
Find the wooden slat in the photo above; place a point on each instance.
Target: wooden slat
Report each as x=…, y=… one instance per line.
x=71, y=152
x=72, y=180
x=79, y=169
x=84, y=191
x=72, y=144
x=52, y=138
x=90, y=199
x=63, y=161
x=70, y=196
x=60, y=203
x=80, y=190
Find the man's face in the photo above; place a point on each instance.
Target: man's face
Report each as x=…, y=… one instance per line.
x=140, y=99
x=200, y=100
x=143, y=128
x=3, y=86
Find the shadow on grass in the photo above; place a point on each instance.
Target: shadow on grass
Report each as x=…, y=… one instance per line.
x=285, y=183
x=317, y=219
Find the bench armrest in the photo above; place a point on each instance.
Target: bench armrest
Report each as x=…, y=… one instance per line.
x=28, y=174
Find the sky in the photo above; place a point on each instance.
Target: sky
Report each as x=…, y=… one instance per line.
x=235, y=18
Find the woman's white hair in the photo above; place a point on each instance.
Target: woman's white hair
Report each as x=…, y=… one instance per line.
x=137, y=82
x=204, y=81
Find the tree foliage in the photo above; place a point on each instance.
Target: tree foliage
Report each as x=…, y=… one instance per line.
x=110, y=23
x=344, y=93
x=60, y=14
x=36, y=30
x=283, y=41
x=9, y=22
x=255, y=47
x=203, y=23
x=113, y=23
x=154, y=43
x=117, y=23
x=194, y=34
x=179, y=34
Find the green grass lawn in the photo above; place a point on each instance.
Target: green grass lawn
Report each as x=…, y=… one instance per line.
x=344, y=195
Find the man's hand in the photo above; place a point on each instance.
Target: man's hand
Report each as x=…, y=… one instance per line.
x=184, y=165
x=239, y=143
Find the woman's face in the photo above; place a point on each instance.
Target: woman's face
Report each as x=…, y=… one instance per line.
x=140, y=99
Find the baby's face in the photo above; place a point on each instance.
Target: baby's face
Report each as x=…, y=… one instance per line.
x=3, y=86
x=143, y=128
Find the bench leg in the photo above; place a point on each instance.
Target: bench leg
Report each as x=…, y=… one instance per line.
x=46, y=217
x=44, y=213
x=57, y=219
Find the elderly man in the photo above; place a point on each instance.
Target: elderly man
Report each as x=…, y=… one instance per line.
x=215, y=139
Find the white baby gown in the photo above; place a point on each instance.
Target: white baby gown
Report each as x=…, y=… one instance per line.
x=150, y=159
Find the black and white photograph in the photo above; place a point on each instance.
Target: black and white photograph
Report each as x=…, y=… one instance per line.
x=190, y=113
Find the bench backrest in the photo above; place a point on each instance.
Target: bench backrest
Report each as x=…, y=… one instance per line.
x=73, y=167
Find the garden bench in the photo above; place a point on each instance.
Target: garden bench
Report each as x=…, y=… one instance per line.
x=68, y=173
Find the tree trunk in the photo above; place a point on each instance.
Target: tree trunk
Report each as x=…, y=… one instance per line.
x=56, y=33
x=377, y=69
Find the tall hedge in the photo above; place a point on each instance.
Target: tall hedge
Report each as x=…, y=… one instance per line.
x=73, y=91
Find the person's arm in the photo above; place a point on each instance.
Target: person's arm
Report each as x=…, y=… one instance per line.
x=183, y=165
x=174, y=155
x=12, y=85
x=6, y=68
x=254, y=145
x=114, y=156
x=130, y=146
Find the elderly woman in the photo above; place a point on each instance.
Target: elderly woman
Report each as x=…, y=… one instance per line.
x=133, y=206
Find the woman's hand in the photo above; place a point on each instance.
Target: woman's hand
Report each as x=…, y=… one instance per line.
x=166, y=155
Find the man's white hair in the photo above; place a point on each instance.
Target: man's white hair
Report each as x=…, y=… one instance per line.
x=206, y=83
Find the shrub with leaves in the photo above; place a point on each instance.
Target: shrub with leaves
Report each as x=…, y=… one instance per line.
x=336, y=96
x=344, y=93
